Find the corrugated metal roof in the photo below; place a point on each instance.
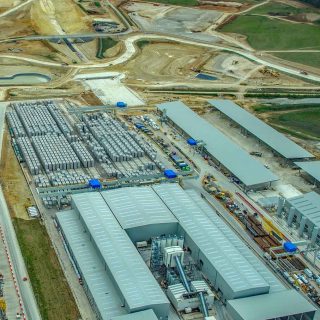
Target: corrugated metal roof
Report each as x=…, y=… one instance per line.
x=308, y=205
x=137, y=206
x=311, y=167
x=234, y=262
x=271, y=306
x=90, y=264
x=133, y=278
x=236, y=160
x=274, y=139
x=142, y=315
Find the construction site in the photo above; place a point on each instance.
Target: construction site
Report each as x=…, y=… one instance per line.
x=148, y=170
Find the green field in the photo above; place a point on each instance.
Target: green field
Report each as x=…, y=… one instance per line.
x=50, y=287
x=277, y=8
x=271, y=34
x=187, y=3
x=299, y=123
x=103, y=45
x=311, y=59
x=283, y=107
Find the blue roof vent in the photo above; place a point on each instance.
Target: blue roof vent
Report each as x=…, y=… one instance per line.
x=121, y=104
x=95, y=184
x=290, y=247
x=192, y=142
x=170, y=174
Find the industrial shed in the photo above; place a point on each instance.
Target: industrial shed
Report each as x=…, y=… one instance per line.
x=275, y=140
x=304, y=212
x=141, y=315
x=286, y=305
x=251, y=173
x=229, y=265
x=135, y=284
x=312, y=170
x=140, y=212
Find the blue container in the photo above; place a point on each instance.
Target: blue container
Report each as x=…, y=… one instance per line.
x=121, y=104
x=139, y=125
x=95, y=184
x=289, y=247
x=192, y=142
x=170, y=174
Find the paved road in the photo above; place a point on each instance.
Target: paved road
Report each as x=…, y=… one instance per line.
x=13, y=10
x=29, y=302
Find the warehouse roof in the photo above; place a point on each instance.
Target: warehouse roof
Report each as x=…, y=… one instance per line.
x=137, y=206
x=250, y=171
x=90, y=265
x=274, y=139
x=241, y=271
x=142, y=315
x=132, y=276
x=311, y=167
x=270, y=306
x=308, y=205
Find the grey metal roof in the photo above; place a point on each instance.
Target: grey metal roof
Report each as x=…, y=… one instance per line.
x=308, y=205
x=90, y=264
x=311, y=167
x=271, y=306
x=132, y=276
x=142, y=315
x=137, y=206
x=249, y=170
x=241, y=271
x=274, y=139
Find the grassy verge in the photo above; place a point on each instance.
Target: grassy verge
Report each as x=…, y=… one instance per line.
x=271, y=34
x=277, y=8
x=51, y=290
x=303, y=122
x=142, y=43
x=187, y=3
x=309, y=58
x=283, y=107
x=103, y=45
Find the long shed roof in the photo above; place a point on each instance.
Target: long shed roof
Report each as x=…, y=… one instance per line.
x=137, y=206
x=311, y=167
x=249, y=170
x=130, y=273
x=241, y=271
x=271, y=137
x=308, y=205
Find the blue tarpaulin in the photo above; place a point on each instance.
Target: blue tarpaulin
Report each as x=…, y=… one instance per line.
x=289, y=247
x=121, y=104
x=95, y=184
x=192, y=142
x=170, y=174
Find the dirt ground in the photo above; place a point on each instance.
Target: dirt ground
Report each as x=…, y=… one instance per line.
x=14, y=184
x=165, y=62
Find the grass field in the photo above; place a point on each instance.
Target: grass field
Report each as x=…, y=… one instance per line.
x=187, y=3
x=271, y=34
x=277, y=8
x=103, y=45
x=283, y=107
x=311, y=59
x=51, y=290
x=299, y=122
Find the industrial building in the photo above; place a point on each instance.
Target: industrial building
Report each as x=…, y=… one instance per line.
x=302, y=212
x=99, y=232
x=310, y=170
x=251, y=173
x=275, y=140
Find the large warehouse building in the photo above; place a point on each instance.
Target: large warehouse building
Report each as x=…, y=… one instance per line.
x=311, y=170
x=251, y=173
x=304, y=212
x=100, y=230
x=275, y=140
